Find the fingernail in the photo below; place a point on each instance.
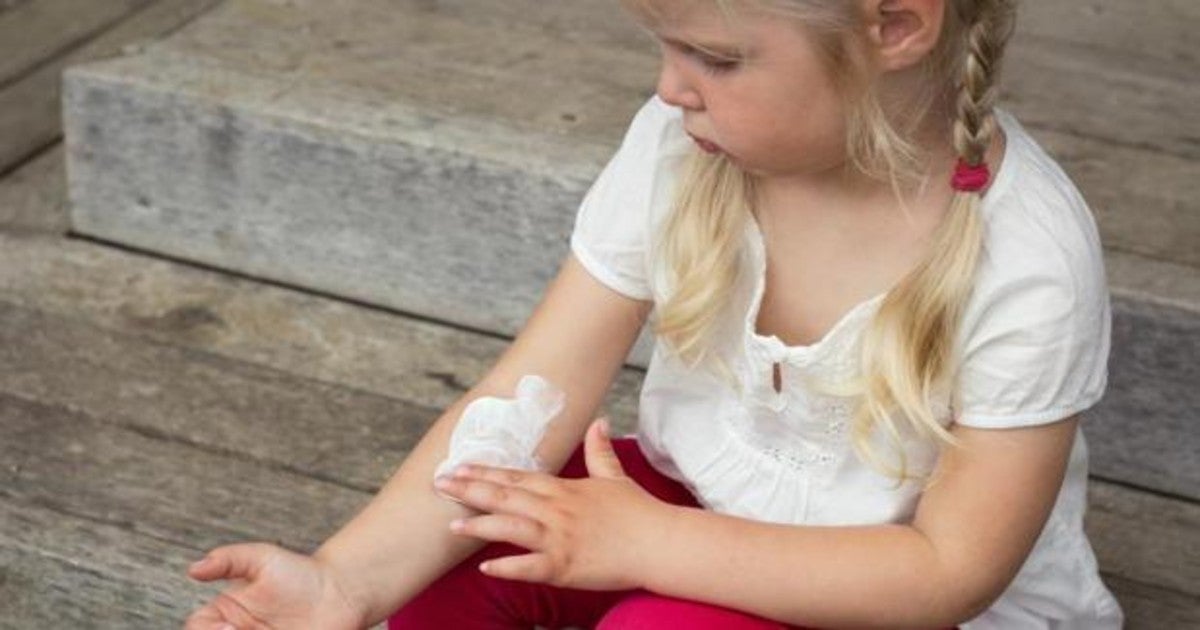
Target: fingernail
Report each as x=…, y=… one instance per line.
x=457, y=524
x=443, y=483
x=196, y=564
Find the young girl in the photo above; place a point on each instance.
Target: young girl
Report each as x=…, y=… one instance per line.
x=879, y=310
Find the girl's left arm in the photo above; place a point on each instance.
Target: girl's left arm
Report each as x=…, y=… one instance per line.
x=972, y=531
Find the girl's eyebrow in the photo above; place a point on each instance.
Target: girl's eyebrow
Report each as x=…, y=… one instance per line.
x=725, y=50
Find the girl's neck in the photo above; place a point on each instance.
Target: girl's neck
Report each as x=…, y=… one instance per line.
x=842, y=181
x=845, y=196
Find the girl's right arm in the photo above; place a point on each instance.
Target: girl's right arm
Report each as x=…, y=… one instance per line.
x=577, y=338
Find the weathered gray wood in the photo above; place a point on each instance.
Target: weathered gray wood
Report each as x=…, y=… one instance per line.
x=433, y=365
x=1144, y=537
x=1144, y=200
x=33, y=197
x=1158, y=34
x=61, y=570
x=1143, y=431
x=166, y=397
x=529, y=120
x=352, y=438
x=400, y=204
x=6, y=5
x=111, y=475
x=35, y=32
x=163, y=486
x=1140, y=279
x=30, y=107
x=318, y=338
x=1151, y=608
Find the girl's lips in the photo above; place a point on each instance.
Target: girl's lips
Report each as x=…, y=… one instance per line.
x=705, y=145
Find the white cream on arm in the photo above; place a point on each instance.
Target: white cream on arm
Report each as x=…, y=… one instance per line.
x=504, y=432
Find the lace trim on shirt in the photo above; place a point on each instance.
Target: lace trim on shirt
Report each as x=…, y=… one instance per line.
x=811, y=437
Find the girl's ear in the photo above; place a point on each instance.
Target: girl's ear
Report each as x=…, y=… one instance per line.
x=903, y=32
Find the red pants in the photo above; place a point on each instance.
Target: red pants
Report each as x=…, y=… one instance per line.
x=466, y=599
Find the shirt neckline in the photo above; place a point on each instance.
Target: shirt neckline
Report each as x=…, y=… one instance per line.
x=780, y=351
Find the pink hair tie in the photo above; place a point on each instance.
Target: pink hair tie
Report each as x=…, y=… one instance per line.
x=969, y=178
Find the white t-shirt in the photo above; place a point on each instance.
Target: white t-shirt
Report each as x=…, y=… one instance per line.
x=1035, y=335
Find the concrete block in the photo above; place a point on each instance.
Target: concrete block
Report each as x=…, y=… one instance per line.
x=439, y=194
x=429, y=157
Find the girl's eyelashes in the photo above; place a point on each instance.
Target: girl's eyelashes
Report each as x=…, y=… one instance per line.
x=709, y=63
x=712, y=65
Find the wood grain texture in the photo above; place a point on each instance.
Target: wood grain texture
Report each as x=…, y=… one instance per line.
x=159, y=485
x=1149, y=607
x=35, y=32
x=349, y=437
x=30, y=111
x=195, y=427
x=1144, y=537
x=425, y=363
x=1143, y=431
x=60, y=570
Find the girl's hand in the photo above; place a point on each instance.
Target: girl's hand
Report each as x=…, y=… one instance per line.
x=272, y=588
x=590, y=533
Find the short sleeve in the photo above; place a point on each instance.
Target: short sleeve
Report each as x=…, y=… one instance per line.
x=1037, y=330
x=1038, y=352
x=613, y=223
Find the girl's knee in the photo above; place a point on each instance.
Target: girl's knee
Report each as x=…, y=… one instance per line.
x=646, y=610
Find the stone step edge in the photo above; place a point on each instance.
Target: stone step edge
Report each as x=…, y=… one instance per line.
x=322, y=109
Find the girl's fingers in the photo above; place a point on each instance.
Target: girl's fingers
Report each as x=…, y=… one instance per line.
x=536, y=482
x=492, y=497
x=530, y=567
x=517, y=530
x=231, y=562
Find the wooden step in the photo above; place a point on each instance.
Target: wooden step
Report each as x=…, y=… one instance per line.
x=136, y=443
x=346, y=149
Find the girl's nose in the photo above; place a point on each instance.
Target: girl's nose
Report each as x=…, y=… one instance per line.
x=674, y=89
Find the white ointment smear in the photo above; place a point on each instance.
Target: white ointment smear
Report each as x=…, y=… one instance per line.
x=504, y=432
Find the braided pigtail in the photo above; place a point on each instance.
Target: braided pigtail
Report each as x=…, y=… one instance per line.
x=908, y=351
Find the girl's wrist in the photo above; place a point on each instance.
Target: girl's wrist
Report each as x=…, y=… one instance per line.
x=659, y=527
x=339, y=589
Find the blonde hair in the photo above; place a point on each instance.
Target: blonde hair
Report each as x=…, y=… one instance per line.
x=907, y=351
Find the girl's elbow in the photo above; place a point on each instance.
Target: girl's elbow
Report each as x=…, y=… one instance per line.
x=969, y=592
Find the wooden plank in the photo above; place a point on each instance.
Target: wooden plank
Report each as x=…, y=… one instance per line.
x=1145, y=537
x=159, y=485
x=432, y=365
x=1140, y=279
x=1158, y=34
x=30, y=109
x=62, y=570
x=175, y=494
x=164, y=393
x=1104, y=69
x=7, y=5
x=349, y=437
x=35, y=32
x=314, y=337
x=1122, y=125
x=1143, y=200
x=1097, y=95
x=1148, y=607
x=1143, y=432
x=33, y=198
x=67, y=568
